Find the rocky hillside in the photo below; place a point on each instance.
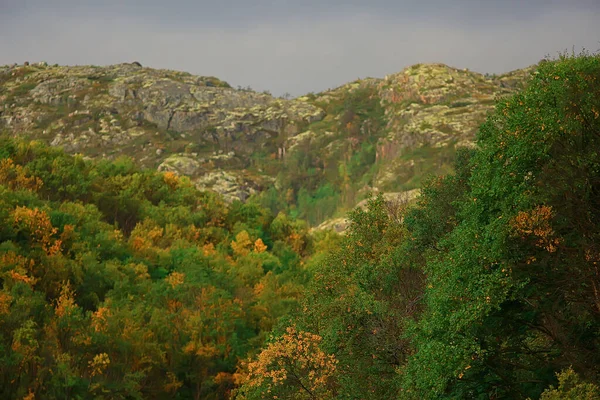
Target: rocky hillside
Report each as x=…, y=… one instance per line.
x=313, y=156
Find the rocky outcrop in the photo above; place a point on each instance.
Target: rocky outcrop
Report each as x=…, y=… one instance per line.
x=152, y=115
x=434, y=106
x=231, y=186
x=237, y=141
x=436, y=103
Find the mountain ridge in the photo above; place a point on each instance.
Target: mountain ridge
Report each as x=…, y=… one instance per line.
x=331, y=148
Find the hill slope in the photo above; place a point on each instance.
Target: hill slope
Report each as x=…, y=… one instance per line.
x=313, y=156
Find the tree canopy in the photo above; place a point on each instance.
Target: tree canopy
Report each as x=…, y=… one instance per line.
x=487, y=287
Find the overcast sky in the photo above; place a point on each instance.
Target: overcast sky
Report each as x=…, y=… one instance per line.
x=296, y=46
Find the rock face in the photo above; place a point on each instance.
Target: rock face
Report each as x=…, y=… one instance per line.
x=437, y=107
x=179, y=121
x=239, y=142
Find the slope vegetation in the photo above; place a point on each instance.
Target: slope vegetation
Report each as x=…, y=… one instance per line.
x=315, y=156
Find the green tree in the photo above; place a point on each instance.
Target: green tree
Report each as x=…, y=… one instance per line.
x=510, y=295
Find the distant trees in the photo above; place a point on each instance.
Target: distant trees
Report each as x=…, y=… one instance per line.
x=354, y=308
x=323, y=174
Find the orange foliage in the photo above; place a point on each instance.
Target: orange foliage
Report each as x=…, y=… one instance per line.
x=11, y=258
x=5, y=300
x=100, y=319
x=115, y=235
x=258, y=289
x=223, y=377
x=55, y=248
x=173, y=384
x=295, y=355
x=15, y=177
x=67, y=233
x=207, y=351
x=18, y=277
x=208, y=249
x=99, y=364
x=171, y=179
x=139, y=243
x=192, y=233
x=20, y=267
x=146, y=235
x=175, y=279
x=259, y=246
x=141, y=271
x=173, y=305
x=208, y=335
x=537, y=222
x=37, y=224
x=296, y=241
x=65, y=304
x=30, y=396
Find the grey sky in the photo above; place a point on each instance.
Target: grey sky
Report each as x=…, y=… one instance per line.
x=296, y=46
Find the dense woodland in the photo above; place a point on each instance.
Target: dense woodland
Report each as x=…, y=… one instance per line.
x=123, y=283
x=120, y=283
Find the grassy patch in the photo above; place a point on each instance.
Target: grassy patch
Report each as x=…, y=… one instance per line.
x=425, y=126
x=101, y=78
x=16, y=73
x=445, y=128
x=20, y=91
x=326, y=124
x=459, y=103
x=24, y=88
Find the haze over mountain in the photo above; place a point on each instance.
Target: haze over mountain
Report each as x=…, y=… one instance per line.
x=296, y=47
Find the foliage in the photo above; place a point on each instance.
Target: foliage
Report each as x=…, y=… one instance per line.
x=322, y=176
x=570, y=387
x=122, y=283
x=293, y=366
x=488, y=286
x=510, y=296
x=356, y=302
x=117, y=282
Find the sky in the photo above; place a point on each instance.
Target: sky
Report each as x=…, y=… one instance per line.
x=299, y=46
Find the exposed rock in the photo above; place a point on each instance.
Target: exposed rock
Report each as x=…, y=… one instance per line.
x=236, y=141
x=181, y=165
x=436, y=106
x=125, y=91
x=338, y=225
x=229, y=185
x=59, y=91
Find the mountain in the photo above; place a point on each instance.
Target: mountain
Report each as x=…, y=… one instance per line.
x=315, y=156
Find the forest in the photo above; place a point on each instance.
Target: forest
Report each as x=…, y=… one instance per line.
x=119, y=282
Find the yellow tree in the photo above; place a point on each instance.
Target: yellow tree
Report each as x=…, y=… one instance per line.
x=242, y=244
x=293, y=366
